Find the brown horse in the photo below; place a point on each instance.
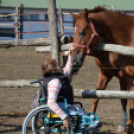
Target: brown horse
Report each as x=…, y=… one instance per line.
x=102, y=25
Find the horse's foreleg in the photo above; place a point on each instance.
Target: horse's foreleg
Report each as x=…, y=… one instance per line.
x=102, y=84
x=123, y=86
x=122, y=126
x=131, y=120
x=130, y=84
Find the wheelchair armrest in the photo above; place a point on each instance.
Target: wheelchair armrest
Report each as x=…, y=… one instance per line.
x=42, y=101
x=64, y=99
x=78, y=103
x=73, y=108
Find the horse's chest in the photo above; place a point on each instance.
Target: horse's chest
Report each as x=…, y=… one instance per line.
x=115, y=60
x=111, y=71
x=109, y=64
x=129, y=66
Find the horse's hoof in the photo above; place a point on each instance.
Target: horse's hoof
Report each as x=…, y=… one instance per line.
x=121, y=129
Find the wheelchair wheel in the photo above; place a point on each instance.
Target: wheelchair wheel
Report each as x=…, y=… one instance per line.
x=36, y=122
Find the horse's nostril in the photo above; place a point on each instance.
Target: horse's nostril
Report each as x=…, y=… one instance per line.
x=74, y=61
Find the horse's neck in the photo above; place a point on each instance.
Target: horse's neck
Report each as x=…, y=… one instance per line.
x=118, y=28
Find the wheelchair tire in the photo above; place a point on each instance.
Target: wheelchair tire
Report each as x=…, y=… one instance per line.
x=30, y=122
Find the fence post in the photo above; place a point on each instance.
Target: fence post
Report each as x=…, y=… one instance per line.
x=16, y=22
x=61, y=21
x=53, y=30
x=21, y=20
x=113, y=8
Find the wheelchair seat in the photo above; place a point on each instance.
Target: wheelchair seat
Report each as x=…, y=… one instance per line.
x=52, y=115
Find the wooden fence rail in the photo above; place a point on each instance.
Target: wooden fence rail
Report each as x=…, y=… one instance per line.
x=26, y=42
x=123, y=50
x=108, y=94
x=6, y=24
x=6, y=15
x=33, y=42
x=77, y=92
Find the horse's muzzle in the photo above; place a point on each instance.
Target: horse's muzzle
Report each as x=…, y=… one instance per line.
x=77, y=61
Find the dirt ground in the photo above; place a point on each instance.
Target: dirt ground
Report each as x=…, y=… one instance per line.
x=15, y=103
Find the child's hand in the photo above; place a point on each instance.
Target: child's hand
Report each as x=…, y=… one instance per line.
x=66, y=122
x=72, y=48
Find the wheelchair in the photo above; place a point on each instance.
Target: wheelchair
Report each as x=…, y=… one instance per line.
x=42, y=120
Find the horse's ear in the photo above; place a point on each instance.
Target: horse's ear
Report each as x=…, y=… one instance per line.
x=85, y=14
x=75, y=16
x=71, y=38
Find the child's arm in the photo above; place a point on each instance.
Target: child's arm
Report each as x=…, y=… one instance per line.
x=54, y=87
x=68, y=67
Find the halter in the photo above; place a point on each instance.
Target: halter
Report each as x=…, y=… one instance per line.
x=91, y=38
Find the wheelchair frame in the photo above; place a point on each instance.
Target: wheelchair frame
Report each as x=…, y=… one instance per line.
x=49, y=121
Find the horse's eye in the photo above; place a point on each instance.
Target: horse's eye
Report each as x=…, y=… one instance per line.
x=83, y=33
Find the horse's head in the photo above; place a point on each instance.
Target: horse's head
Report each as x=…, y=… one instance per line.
x=85, y=37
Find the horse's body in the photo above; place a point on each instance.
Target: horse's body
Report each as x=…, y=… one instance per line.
x=112, y=28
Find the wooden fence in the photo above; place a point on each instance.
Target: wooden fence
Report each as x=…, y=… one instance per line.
x=77, y=92
x=12, y=32
x=100, y=47
x=47, y=41
x=31, y=42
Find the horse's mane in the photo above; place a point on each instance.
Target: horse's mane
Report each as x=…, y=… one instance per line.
x=104, y=9
x=98, y=9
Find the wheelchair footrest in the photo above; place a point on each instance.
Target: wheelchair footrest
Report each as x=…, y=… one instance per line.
x=99, y=125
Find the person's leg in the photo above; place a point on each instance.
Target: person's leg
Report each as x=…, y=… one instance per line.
x=81, y=112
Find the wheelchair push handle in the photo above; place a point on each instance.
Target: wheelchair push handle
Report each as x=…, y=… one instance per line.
x=37, y=81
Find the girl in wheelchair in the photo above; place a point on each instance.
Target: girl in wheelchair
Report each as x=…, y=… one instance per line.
x=56, y=84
